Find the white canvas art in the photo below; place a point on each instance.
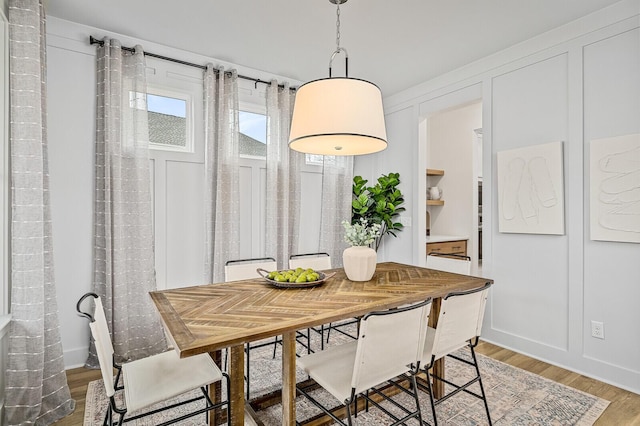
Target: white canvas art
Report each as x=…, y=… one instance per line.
x=531, y=190
x=615, y=189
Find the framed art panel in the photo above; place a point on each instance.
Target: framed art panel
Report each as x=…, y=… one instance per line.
x=615, y=189
x=531, y=190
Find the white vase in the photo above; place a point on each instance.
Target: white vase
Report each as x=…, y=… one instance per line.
x=359, y=262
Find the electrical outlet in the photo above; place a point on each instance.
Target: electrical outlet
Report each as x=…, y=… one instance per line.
x=597, y=329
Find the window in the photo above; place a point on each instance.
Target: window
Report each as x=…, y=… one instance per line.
x=253, y=138
x=170, y=120
x=253, y=134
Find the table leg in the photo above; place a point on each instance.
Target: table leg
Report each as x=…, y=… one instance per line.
x=438, y=366
x=289, y=378
x=236, y=393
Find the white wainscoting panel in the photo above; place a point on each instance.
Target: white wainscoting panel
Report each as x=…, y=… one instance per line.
x=611, y=269
x=529, y=106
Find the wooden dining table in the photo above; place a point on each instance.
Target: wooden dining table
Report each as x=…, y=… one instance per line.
x=208, y=318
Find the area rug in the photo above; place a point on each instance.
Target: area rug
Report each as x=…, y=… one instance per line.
x=516, y=397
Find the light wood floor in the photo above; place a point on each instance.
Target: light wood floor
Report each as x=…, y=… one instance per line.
x=623, y=410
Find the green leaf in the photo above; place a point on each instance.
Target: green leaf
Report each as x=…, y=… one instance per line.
x=379, y=203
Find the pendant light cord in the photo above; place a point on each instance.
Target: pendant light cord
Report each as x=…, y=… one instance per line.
x=338, y=26
x=338, y=48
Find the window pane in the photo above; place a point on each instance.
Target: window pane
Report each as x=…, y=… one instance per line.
x=167, y=120
x=253, y=134
x=165, y=105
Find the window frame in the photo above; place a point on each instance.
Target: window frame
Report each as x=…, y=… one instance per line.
x=189, y=148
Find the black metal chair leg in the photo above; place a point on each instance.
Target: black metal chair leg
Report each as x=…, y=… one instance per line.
x=275, y=346
x=248, y=351
x=484, y=396
x=414, y=385
x=433, y=404
x=348, y=405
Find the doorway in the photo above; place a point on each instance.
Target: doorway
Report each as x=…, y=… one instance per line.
x=452, y=138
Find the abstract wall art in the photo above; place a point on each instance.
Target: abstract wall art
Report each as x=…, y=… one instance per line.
x=531, y=190
x=615, y=189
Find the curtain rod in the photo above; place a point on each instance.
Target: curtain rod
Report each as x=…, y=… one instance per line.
x=93, y=40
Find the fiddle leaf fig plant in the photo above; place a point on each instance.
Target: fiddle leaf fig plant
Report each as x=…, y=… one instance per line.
x=380, y=203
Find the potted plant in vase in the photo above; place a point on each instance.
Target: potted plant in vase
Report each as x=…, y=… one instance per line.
x=359, y=260
x=380, y=203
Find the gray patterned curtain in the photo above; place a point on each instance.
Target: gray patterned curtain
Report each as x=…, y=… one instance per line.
x=124, y=264
x=283, y=178
x=222, y=172
x=337, y=183
x=36, y=384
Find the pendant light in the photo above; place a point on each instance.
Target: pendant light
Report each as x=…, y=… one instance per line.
x=338, y=115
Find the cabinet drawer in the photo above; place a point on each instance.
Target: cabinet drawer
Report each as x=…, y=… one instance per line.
x=448, y=247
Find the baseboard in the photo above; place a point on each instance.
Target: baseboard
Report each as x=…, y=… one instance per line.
x=75, y=358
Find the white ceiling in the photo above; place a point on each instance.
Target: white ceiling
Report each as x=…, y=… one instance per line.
x=393, y=43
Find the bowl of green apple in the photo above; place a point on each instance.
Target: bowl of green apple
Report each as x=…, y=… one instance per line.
x=294, y=278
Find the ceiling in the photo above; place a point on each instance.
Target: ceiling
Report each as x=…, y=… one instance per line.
x=395, y=44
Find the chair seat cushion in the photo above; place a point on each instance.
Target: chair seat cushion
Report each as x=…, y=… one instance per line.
x=166, y=375
x=332, y=368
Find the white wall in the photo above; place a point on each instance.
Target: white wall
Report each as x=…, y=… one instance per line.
x=574, y=84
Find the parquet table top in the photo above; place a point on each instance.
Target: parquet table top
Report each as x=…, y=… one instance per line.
x=211, y=317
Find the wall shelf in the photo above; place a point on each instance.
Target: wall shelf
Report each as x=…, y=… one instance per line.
x=434, y=172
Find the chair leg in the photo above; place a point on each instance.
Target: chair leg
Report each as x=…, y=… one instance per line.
x=348, y=405
x=228, y=381
x=414, y=385
x=433, y=403
x=355, y=405
x=484, y=396
x=275, y=346
x=248, y=352
x=205, y=390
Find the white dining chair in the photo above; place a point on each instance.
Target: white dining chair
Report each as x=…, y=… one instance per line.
x=390, y=344
x=459, y=325
x=244, y=269
x=450, y=263
x=315, y=261
x=148, y=381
